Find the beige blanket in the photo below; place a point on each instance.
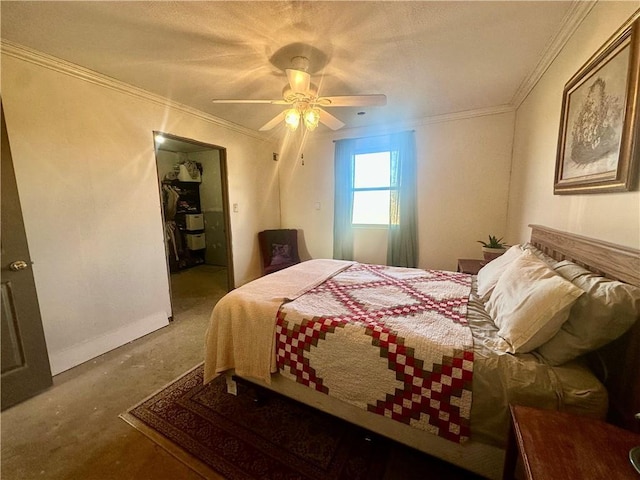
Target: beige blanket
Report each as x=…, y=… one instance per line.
x=241, y=332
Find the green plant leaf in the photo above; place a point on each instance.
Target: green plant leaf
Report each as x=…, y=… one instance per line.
x=494, y=242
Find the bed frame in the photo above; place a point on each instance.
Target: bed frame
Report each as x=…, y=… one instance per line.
x=618, y=365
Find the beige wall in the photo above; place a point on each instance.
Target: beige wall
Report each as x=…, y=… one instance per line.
x=463, y=178
x=613, y=217
x=86, y=173
x=211, y=191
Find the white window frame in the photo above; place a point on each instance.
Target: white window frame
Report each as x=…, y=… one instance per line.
x=355, y=189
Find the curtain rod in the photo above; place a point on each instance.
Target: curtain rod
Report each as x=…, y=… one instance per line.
x=373, y=136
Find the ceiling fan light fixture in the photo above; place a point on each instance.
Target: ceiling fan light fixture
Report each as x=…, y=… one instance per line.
x=303, y=103
x=292, y=119
x=311, y=118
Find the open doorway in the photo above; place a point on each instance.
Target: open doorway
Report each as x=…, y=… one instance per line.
x=192, y=178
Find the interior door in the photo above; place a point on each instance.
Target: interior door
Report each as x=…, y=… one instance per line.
x=25, y=362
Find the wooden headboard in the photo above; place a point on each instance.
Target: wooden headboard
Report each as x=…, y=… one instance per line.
x=617, y=364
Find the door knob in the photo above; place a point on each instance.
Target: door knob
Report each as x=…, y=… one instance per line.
x=18, y=265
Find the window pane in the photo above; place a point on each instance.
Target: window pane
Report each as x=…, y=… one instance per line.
x=371, y=208
x=372, y=170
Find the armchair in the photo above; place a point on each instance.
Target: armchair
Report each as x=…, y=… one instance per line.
x=279, y=249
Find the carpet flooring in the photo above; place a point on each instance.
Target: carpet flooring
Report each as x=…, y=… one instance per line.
x=262, y=435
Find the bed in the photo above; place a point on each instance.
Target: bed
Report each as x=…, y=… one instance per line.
x=448, y=398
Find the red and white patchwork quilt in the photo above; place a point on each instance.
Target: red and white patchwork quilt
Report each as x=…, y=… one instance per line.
x=393, y=341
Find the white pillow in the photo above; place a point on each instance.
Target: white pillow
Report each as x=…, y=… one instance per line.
x=530, y=303
x=489, y=274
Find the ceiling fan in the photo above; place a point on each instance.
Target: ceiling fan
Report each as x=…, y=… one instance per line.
x=305, y=104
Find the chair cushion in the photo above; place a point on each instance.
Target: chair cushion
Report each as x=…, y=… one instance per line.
x=280, y=254
x=278, y=249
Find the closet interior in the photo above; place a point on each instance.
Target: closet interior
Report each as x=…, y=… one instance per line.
x=193, y=203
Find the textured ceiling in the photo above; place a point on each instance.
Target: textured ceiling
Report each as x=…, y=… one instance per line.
x=429, y=58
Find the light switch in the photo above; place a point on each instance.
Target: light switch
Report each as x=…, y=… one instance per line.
x=235, y=208
x=317, y=205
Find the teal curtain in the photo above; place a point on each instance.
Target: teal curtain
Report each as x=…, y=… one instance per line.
x=343, y=204
x=402, y=250
x=402, y=240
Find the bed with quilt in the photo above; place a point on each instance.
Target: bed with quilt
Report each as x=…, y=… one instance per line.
x=429, y=358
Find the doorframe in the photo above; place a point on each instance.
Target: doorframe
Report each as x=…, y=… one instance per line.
x=224, y=181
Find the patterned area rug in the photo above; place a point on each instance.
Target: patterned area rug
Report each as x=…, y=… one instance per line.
x=239, y=438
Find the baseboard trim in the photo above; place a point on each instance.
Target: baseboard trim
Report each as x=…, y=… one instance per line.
x=82, y=352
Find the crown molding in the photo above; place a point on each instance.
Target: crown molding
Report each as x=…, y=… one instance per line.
x=67, y=68
x=571, y=21
x=382, y=129
x=478, y=112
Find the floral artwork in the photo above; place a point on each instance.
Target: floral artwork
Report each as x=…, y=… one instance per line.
x=595, y=149
x=596, y=128
x=596, y=132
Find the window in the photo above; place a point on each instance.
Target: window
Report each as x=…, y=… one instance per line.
x=372, y=190
x=375, y=184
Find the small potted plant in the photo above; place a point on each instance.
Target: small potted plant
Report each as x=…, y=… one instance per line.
x=493, y=248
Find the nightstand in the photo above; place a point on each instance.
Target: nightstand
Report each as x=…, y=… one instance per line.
x=558, y=445
x=470, y=265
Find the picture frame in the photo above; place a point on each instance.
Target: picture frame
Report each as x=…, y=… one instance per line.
x=598, y=144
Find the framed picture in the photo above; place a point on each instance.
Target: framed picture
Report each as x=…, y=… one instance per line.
x=598, y=145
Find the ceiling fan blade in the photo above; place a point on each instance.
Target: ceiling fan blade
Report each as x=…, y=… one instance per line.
x=272, y=102
x=353, y=100
x=272, y=123
x=329, y=120
x=298, y=80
